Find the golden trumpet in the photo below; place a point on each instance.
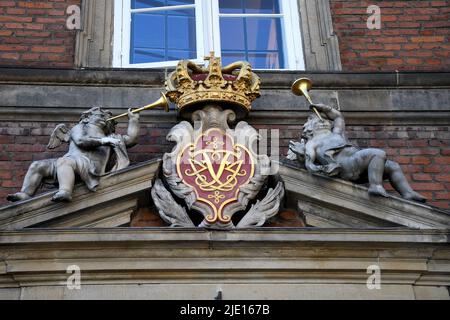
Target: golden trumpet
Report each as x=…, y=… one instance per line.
x=161, y=102
x=301, y=87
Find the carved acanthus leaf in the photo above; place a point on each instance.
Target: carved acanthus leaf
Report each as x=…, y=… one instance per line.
x=265, y=209
x=181, y=134
x=169, y=210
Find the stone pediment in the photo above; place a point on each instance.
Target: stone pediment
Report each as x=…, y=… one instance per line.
x=334, y=203
x=324, y=203
x=112, y=205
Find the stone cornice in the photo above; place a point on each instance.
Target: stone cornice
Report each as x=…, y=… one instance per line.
x=270, y=79
x=164, y=256
x=391, y=236
x=366, y=98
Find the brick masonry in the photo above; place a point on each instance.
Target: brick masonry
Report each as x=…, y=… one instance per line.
x=422, y=151
x=34, y=34
x=414, y=35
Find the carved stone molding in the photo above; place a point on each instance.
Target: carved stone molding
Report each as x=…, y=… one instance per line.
x=135, y=263
x=320, y=43
x=94, y=41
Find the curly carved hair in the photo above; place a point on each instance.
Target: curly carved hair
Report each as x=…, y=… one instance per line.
x=106, y=114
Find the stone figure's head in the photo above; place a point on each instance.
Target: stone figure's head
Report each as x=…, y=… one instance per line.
x=99, y=117
x=314, y=125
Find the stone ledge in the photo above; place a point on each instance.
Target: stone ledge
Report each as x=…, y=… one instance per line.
x=390, y=236
x=270, y=79
x=162, y=257
x=366, y=98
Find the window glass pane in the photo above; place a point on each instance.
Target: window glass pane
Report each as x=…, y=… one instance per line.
x=230, y=57
x=181, y=32
x=141, y=4
x=265, y=60
x=154, y=34
x=249, y=6
x=148, y=30
x=263, y=33
x=231, y=6
x=232, y=33
x=180, y=54
x=262, y=6
x=260, y=39
x=147, y=55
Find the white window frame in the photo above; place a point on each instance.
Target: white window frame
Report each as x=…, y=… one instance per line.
x=207, y=18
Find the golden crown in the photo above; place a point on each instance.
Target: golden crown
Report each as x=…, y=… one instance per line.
x=234, y=84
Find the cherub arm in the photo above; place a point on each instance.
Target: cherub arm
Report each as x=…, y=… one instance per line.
x=332, y=114
x=310, y=158
x=131, y=138
x=297, y=151
x=81, y=137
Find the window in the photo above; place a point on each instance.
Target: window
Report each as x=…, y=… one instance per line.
x=158, y=33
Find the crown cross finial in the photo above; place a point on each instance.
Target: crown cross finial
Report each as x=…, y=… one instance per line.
x=210, y=57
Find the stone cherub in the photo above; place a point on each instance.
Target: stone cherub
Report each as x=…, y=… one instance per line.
x=90, y=144
x=325, y=149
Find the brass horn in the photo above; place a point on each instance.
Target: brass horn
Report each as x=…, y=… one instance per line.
x=161, y=102
x=301, y=87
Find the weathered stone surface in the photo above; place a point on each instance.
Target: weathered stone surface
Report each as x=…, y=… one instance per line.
x=204, y=291
x=300, y=263
x=94, y=42
x=332, y=202
x=87, y=207
x=397, y=97
x=320, y=43
x=430, y=293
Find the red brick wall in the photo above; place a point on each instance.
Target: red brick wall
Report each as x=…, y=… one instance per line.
x=414, y=35
x=34, y=34
x=423, y=152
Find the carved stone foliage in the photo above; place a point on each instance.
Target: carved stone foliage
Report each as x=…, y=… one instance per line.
x=215, y=171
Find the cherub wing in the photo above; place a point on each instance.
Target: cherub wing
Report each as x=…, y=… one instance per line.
x=59, y=135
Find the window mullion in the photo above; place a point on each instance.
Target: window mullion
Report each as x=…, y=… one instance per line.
x=293, y=38
x=126, y=31
x=251, y=15
x=201, y=25
x=215, y=27
x=118, y=33
x=166, y=8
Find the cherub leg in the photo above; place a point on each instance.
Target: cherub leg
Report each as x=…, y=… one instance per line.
x=400, y=183
x=372, y=160
x=65, y=169
x=37, y=171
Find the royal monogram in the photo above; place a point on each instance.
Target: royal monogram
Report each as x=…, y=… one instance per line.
x=216, y=168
